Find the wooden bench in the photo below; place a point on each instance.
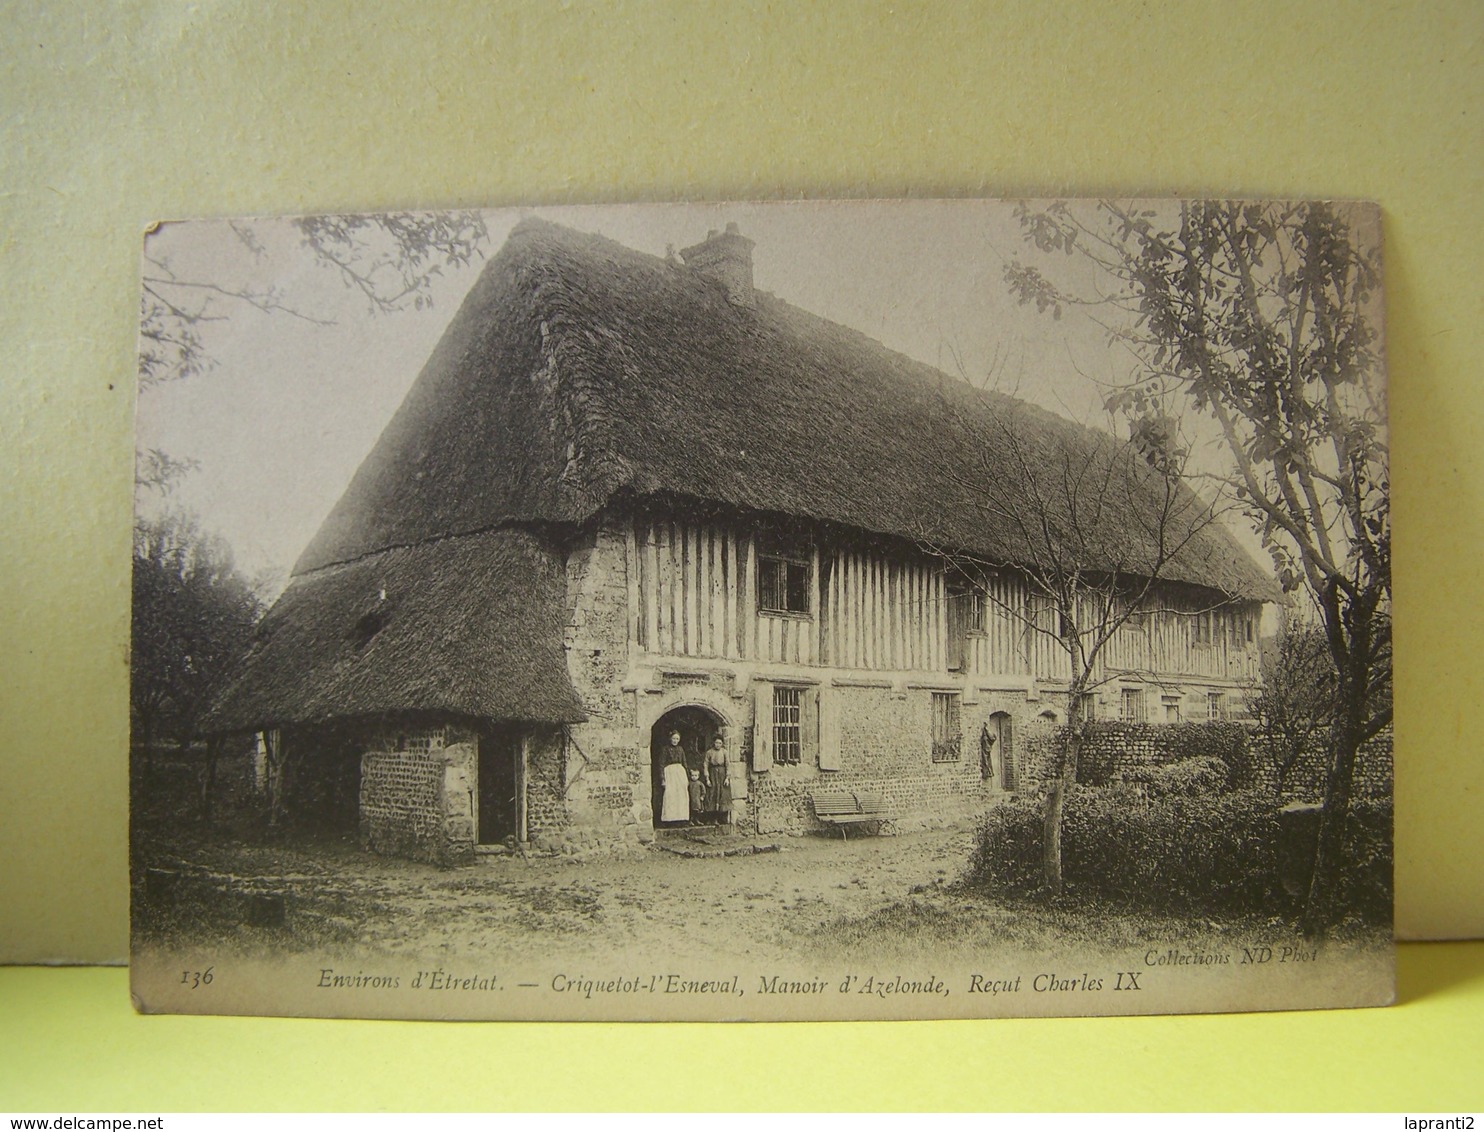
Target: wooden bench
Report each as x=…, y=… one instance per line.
x=851, y=807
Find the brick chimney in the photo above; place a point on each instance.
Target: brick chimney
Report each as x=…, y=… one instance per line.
x=727, y=258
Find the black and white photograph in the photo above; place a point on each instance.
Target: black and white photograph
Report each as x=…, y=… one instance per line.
x=763, y=611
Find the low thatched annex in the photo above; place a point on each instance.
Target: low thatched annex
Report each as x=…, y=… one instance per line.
x=630, y=496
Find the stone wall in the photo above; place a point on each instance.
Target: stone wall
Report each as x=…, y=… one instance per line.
x=1123, y=751
x=546, y=807
x=417, y=793
x=1372, y=776
x=602, y=791
x=885, y=748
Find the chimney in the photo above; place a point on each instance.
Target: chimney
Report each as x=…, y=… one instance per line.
x=727, y=258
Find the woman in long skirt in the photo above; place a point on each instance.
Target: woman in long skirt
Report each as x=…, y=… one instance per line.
x=718, y=789
x=675, y=803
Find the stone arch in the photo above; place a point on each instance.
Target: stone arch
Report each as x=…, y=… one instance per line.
x=698, y=696
x=700, y=715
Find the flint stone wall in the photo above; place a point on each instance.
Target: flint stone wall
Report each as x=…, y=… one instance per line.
x=417, y=794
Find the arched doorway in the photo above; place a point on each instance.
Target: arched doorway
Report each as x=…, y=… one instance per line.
x=697, y=727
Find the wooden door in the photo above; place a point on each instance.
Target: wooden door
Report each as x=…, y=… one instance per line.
x=499, y=785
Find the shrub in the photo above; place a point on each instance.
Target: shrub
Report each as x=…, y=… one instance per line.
x=1188, y=777
x=1007, y=849
x=1180, y=852
x=1365, y=876
x=1170, y=853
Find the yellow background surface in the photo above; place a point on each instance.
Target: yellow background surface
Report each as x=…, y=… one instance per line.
x=115, y=115
x=71, y=1045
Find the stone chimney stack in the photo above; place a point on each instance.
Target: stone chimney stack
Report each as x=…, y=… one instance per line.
x=727, y=258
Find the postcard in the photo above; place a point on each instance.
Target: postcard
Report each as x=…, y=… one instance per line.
x=763, y=611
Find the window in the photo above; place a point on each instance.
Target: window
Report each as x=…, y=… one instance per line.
x=1172, y=709
x=1131, y=705
x=1204, y=628
x=966, y=608
x=1215, y=706
x=948, y=730
x=788, y=733
x=782, y=584
x=1089, y=706
x=965, y=620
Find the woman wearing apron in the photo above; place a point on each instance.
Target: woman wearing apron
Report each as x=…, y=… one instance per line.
x=675, y=804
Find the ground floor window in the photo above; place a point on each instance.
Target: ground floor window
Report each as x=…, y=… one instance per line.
x=1131, y=706
x=1172, y=709
x=947, y=727
x=788, y=746
x=1089, y=707
x=1215, y=707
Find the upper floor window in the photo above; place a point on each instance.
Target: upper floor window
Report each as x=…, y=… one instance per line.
x=966, y=608
x=783, y=577
x=965, y=620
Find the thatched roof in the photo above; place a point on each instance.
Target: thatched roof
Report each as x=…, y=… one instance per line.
x=467, y=626
x=579, y=371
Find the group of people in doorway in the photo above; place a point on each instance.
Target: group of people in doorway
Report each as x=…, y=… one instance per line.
x=699, y=794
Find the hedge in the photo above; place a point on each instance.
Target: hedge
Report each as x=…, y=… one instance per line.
x=1163, y=851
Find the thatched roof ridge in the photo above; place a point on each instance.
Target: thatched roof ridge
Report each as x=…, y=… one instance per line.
x=579, y=371
x=468, y=626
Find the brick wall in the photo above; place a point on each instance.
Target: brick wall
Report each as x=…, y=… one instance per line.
x=417, y=793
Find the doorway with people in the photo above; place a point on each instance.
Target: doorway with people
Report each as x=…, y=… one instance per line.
x=689, y=769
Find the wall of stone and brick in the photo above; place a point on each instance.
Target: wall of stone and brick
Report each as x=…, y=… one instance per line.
x=418, y=793
x=546, y=809
x=1373, y=775
x=1114, y=751
x=885, y=749
x=602, y=790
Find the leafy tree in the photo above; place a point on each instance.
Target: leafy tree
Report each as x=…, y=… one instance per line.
x=1296, y=703
x=1261, y=319
x=193, y=621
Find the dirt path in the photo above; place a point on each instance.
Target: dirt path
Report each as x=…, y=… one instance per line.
x=763, y=905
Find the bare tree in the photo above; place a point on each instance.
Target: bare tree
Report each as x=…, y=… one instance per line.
x=389, y=259
x=1099, y=524
x=1263, y=320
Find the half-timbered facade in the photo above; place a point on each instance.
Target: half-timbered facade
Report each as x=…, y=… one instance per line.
x=656, y=501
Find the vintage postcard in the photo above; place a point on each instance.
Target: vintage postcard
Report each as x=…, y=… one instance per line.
x=865, y=610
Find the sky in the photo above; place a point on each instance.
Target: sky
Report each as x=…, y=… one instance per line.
x=289, y=407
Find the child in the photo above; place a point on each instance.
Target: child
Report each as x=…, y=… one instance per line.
x=697, y=796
